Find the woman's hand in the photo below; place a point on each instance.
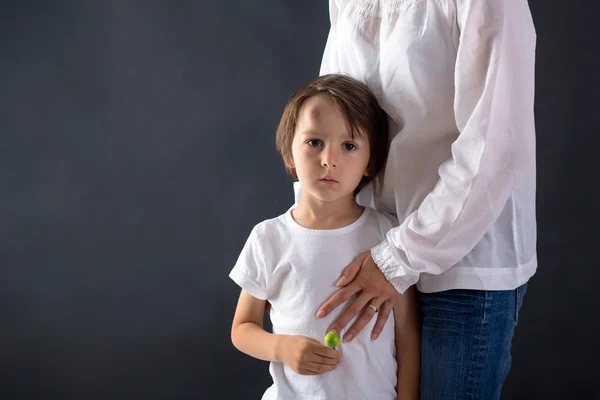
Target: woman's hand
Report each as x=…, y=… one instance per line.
x=364, y=278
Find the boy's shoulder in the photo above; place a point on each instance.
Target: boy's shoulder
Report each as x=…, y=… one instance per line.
x=381, y=223
x=270, y=228
x=384, y=221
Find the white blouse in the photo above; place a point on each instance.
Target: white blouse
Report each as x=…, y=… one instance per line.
x=457, y=79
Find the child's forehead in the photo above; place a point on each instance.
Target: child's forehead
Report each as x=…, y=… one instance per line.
x=322, y=110
x=322, y=115
x=319, y=105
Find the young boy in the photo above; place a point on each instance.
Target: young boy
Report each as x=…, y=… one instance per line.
x=333, y=139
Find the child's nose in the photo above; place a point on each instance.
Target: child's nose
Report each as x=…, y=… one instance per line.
x=329, y=158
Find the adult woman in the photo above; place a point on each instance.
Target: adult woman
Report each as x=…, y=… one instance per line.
x=457, y=80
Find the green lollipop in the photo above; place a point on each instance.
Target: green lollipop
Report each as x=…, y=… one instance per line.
x=332, y=339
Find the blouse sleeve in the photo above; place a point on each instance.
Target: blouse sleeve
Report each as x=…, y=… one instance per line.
x=493, y=107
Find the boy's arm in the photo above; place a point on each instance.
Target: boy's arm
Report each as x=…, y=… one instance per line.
x=408, y=345
x=304, y=355
x=247, y=333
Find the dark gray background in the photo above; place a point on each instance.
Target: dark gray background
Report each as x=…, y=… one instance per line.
x=137, y=151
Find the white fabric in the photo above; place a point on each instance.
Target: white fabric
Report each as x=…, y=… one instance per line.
x=296, y=268
x=457, y=79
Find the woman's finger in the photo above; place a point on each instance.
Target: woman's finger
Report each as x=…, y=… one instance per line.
x=382, y=317
x=370, y=311
x=338, y=298
x=351, y=270
x=353, y=309
x=346, y=293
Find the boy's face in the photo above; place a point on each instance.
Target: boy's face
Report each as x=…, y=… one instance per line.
x=329, y=163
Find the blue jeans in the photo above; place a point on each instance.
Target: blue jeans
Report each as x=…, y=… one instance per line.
x=466, y=338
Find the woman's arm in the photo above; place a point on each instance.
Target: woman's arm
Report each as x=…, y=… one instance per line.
x=493, y=107
x=304, y=355
x=494, y=114
x=408, y=345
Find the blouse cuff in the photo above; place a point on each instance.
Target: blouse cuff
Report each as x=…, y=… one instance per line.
x=394, y=272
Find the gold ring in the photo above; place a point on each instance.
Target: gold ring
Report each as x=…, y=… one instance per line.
x=372, y=307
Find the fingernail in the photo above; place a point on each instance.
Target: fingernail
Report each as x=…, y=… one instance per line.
x=374, y=336
x=348, y=337
x=341, y=282
x=320, y=314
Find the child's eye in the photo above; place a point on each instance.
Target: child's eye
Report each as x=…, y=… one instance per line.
x=350, y=147
x=315, y=142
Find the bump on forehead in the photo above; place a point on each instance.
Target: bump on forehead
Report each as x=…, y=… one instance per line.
x=316, y=106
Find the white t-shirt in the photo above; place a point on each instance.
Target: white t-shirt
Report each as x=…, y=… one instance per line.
x=296, y=269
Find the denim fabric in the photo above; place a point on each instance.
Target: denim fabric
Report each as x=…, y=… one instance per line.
x=466, y=341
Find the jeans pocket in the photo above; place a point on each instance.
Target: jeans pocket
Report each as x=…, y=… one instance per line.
x=519, y=294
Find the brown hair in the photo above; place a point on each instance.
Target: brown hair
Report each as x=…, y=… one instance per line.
x=360, y=108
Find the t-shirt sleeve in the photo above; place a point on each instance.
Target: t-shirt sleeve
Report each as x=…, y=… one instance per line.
x=250, y=270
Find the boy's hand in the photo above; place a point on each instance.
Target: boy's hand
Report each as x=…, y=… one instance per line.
x=306, y=356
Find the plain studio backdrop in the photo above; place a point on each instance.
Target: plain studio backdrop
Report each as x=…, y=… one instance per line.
x=137, y=150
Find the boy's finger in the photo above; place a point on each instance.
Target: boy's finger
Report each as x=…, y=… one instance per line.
x=326, y=352
x=326, y=368
x=320, y=368
x=308, y=372
x=317, y=359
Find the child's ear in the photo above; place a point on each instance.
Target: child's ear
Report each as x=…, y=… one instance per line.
x=289, y=163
